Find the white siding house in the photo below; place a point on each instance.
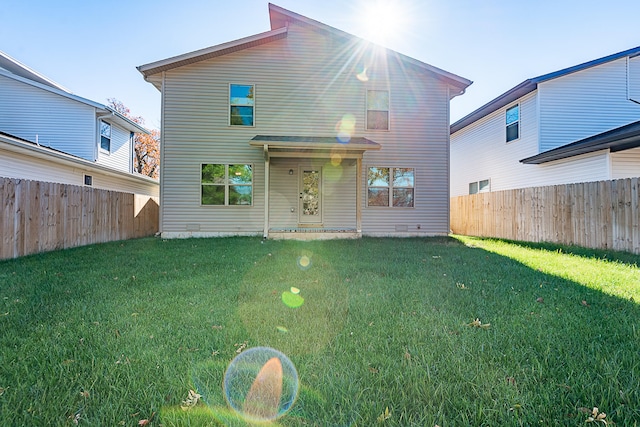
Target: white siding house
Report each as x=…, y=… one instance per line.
x=36, y=109
x=49, y=134
x=303, y=131
x=573, y=125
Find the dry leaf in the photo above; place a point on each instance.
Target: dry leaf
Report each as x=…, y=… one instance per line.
x=385, y=415
x=478, y=324
x=192, y=400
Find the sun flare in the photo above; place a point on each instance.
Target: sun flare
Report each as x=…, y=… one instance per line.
x=383, y=21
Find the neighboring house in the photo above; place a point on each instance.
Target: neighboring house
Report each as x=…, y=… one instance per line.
x=303, y=131
x=24, y=159
x=578, y=124
x=41, y=116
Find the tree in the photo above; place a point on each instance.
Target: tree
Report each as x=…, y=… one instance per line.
x=146, y=147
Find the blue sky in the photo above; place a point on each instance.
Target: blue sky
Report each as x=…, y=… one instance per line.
x=92, y=48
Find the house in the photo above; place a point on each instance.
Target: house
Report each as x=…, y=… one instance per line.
x=303, y=131
x=579, y=124
x=42, y=123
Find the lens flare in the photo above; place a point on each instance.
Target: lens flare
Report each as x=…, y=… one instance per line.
x=261, y=384
x=304, y=262
x=362, y=76
x=292, y=300
x=345, y=127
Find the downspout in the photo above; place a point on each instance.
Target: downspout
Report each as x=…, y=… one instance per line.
x=161, y=203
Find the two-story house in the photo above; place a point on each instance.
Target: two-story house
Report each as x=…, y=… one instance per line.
x=49, y=134
x=578, y=124
x=303, y=131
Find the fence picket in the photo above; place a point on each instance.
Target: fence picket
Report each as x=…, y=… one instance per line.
x=601, y=215
x=42, y=216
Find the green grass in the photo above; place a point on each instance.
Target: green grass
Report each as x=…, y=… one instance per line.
x=117, y=333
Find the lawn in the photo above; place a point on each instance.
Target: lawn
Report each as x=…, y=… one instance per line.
x=395, y=332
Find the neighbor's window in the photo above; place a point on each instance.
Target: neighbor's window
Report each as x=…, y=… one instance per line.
x=479, y=187
x=241, y=105
x=513, y=123
x=378, y=109
x=226, y=185
x=105, y=136
x=390, y=187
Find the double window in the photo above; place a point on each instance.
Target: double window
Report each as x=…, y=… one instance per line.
x=377, y=110
x=105, y=136
x=241, y=105
x=226, y=185
x=479, y=187
x=390, y=187
x=513, y=123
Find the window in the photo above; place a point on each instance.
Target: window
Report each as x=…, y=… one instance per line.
x=390, y=187
x=513, y=123
x=479, y=187
x=226, y=185
x=378, y=110
x=241, y=105
x=105, y=136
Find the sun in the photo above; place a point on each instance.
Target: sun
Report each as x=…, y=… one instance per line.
x=383, y=21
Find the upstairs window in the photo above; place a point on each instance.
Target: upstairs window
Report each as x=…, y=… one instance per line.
x=226, y=185
x=378, y=110
x=390, y=187
x=513, y=123
x=241, y=105
x=105, y=136
x=479, y=187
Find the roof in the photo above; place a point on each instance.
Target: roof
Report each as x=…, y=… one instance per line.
x=280, y=18
x=530, y=85
x=19, y=69
x=211, y=52
x=314, y=142
x=13, y=69
x=618, y=139
x=14, y=143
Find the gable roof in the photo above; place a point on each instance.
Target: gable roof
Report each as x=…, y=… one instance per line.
x=618, y=139
x=530, y=85
x=280, y=19
x=17, y=71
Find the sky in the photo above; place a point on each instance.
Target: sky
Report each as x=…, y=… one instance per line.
x=93, y=48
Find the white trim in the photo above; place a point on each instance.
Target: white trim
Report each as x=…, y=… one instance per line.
x=366, y=110
x=506, y=125
x=227, y=183
x=253, y=106
x=390, y=187
x=201, y=54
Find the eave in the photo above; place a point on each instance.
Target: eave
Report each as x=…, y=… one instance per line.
x=529, y=85
x=152, y=68
x=618, y=139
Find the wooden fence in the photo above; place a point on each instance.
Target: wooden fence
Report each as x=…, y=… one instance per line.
x=602, y=215
x=42, y=216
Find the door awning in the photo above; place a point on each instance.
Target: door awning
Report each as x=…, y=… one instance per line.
x=313, y=146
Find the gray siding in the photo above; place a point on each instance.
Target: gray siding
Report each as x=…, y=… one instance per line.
x=304, y=85
x=59, y=122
